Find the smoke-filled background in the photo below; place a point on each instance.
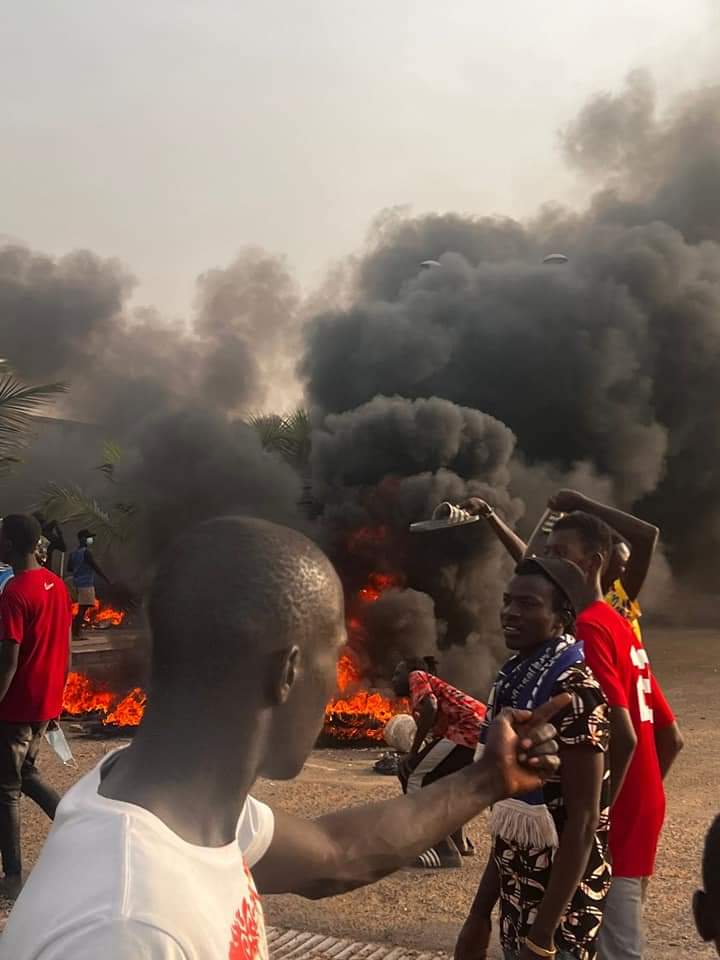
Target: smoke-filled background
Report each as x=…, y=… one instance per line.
x=492, y=374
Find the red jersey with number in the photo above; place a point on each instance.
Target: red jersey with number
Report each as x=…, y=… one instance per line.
x=36, y=613
x=620, y=663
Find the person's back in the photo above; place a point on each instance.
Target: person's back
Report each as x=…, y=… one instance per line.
x=83, y=573
x=35, y=618
x=152, y=891
x=36, y=614
x=619, y=661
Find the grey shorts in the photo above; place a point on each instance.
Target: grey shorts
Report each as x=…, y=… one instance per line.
x=621, y=931
x=86, y=596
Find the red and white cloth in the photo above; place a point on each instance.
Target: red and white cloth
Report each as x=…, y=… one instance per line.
x=459, y=716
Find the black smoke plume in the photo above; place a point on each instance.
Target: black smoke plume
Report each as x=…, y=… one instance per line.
x=493, y=374
x=610, y=361
x=378, y=468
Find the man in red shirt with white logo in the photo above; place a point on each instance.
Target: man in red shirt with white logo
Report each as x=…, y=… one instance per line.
x=644, y=742
x=35, y=622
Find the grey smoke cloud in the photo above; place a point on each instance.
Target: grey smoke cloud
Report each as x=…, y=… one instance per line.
x=493, y=375
x=172, y=395
x=609, y=361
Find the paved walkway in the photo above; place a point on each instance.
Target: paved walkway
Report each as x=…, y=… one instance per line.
x=302, y=945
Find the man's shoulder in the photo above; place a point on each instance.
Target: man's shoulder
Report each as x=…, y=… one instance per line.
x=601, y=614
x=578, y=678
x=55, y=580
x=34, y=586
x=19, y=588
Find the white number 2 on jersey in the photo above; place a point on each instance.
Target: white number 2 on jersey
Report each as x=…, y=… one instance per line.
x=640, y=661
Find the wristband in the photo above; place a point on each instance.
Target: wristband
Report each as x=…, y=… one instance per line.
x=539, y=951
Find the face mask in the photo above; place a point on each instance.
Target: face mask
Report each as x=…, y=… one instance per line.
x=90, y=541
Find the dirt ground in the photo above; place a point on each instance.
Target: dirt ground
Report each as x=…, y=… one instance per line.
x=424, y=909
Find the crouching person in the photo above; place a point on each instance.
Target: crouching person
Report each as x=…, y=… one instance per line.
x=448, y=732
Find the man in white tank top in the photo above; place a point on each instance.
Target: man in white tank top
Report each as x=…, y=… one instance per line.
x=150, y=854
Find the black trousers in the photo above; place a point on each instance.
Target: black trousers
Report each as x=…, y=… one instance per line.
x=19, y=747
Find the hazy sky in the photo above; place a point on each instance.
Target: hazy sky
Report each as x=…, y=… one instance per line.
x=171, y=133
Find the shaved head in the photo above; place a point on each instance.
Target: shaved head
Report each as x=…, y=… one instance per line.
x=244, y=609
x=247, y=585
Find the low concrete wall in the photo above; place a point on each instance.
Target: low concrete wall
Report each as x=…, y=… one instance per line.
x=118, y=658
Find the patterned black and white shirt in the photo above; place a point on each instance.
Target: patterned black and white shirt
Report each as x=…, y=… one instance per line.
x=524, y=874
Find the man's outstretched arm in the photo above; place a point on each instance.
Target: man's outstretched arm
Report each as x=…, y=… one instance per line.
x=514, y=544
x=641, y=537
x=357, y=846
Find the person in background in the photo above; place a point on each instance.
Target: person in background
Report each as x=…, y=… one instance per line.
x=35, y=621
x=56, y=547
x=645, y=739
x=151, y=852
x=634, y=543
x=548, y=862
x=6, y=574
x=41, y=555
x=448, y=730
x=84, y=569
x=706, y=902
x=633, y=546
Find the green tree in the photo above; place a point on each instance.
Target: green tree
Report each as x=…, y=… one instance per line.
x=71, y=503
x=19, y=405
x=286, y=434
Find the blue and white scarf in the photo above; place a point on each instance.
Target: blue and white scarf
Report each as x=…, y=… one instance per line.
x=525, y=684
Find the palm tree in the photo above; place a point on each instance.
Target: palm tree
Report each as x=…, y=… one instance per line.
x=19, y=405
x=71, y=503
x=298, y=439
x=270, y=430
x=287, y=434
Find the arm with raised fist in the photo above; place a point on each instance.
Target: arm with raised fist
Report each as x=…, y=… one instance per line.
x=514, y=545
x=640, y=536
x=357, y=846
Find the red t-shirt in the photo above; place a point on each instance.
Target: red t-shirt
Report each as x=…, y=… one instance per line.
x=36, y=613
x=618, y=659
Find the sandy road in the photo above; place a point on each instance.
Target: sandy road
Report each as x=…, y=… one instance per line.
x=424, y=909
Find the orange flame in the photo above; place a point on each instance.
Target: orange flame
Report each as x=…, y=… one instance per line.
x=129, y=712
x=99, y=614
x=83, y=696
x=361, y=714
x=355, y=714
